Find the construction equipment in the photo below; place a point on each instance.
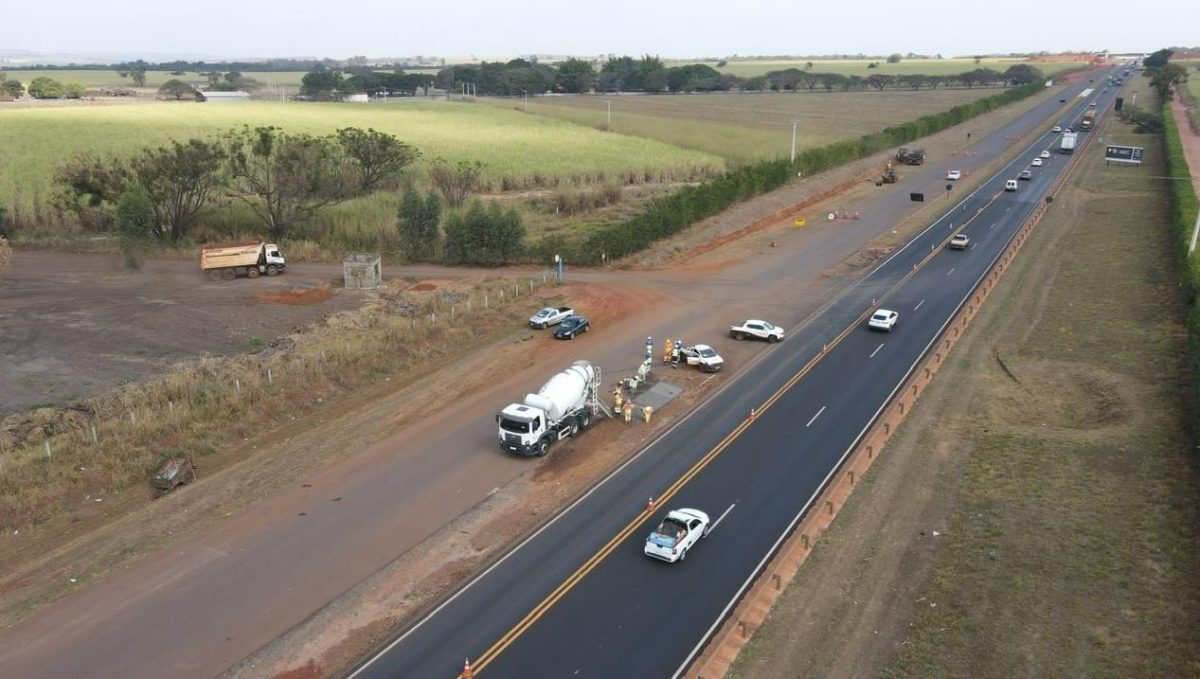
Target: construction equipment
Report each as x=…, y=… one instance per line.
x=564, y=406
x=911, y=156
x=889, y=176
x=231, y=260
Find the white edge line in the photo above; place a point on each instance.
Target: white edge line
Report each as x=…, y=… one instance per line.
x=804, y=510
x=876, y=351
x=918, y=306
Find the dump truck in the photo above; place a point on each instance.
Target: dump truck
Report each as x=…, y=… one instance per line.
x=564, y=406
x=1088, y=120
x=1067, y=143
x=911, y=156
x=230, y=260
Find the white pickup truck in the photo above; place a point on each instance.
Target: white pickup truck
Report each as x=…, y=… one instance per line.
x=549, y=316
x=759, y=329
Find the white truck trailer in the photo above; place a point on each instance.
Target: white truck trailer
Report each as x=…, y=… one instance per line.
x=1067, y=144
x=563, y=407
x=230, y=260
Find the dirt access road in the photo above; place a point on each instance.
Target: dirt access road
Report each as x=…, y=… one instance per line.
x=261, y=572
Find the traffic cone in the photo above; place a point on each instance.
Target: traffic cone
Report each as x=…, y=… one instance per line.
x=753, y=413
x=467, y=672
x=650, y=505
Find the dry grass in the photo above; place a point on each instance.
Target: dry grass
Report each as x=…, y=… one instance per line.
x=114, y=442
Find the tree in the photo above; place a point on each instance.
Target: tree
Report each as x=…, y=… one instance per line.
x=286, y=178
x=74, y=91
x=484, y=235
x=89, y=187
x=1158, y=59
x=978, y=59
x=321, y=84
x=6, y=224
x=575, y=76
x=5, y=253
x=178, y=89
x=12, y=88
x=455, y=183
x=45, y=88
x=179, y=180
x=135, y=71
x=808, y=65
x=1165, y=78
x=378, y=157
x=1023, y=74
x=894, y=58
x=134, y=224
x=417, y=223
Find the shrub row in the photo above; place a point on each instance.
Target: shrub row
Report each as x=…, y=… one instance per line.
x=669, y=215
x=1184, y=208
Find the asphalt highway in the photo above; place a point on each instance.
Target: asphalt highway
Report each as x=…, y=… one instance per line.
x=579, y=599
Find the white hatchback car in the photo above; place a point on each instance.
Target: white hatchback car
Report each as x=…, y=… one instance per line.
x=954, y=175
x=884, y=320
x=1058, y=128
x=678, y=532
x=1037, y=162
x=1044, y=154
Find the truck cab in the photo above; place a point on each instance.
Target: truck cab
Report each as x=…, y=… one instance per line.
x=522, y=428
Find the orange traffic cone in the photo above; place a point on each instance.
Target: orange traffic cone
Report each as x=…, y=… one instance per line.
x=650, y=505
x=467, y=672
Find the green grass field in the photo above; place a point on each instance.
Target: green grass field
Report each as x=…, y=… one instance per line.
x=749, y=69
x=748, y=127
x=509, y=144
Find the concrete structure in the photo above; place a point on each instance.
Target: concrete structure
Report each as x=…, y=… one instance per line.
x=360, y=98
x=225, y=96
x=362, y=271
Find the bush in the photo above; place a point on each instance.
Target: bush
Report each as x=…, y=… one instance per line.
x=1184, y=208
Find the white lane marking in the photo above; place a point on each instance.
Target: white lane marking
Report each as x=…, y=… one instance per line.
x=876, y=351
x=721, y=517
x=950, y=271
x=992, y=225
x=918, y=306
x=814, y=417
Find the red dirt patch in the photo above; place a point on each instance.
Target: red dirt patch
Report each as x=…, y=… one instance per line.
x=423, y=287
x=296, y=297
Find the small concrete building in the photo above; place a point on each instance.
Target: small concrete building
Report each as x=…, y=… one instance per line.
x=225, y=96
x=362, y=271
x=359, y=98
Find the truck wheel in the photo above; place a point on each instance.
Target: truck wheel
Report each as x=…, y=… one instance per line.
x=214, y=275
x=574, y=429
x=585, y=420
x=272, y=270
x=739, y=336
x=252, y=272
x=228, y=274
x=543, y=447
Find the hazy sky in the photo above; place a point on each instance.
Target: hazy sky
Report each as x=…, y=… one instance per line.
x=670, y=28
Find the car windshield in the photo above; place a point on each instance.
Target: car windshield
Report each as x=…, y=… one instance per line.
x=570, y=321
x=768, y=326
x=879, y=317
x=544, y=312
x=707, y=353
x=515, y=426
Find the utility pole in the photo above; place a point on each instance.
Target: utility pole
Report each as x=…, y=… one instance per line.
x=794, y=140
x=608, y=124
x=526, y=93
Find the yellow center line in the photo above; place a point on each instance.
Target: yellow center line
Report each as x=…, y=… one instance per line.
x=588, y=566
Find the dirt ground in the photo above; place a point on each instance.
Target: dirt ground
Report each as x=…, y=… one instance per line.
x=73, y=326
x=352, y=622
x=1036, y=515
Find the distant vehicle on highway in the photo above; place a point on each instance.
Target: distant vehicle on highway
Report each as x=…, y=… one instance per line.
x=1010, y=185
x=954, y=175
x=572, y=326
x=1037, y=162
x=678, y=532
x=883, y=319
x=959, y=242
x=1058, y=128
x=1044, y=154
x=704, y=357
x=550, y=316
x=1025, y=174
x=758, y=329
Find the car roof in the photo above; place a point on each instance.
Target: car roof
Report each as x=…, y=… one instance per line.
x=700, y=346
x=883, y=311
x=684, y=514
x=960, y=235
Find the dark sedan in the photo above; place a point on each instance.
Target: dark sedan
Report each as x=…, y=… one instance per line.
x=572, y=326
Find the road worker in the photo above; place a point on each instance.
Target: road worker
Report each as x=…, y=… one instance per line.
x=618, y=398
x=667, y=351
x=627, y=411
x=647, y=411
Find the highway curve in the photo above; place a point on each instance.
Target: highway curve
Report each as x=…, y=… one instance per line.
x=578, y=598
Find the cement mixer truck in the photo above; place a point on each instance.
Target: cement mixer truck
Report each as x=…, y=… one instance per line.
x=563, y=407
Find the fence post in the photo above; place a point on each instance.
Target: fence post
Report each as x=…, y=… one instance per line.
x=270, y=380
x=485, y=300
x=237, y=384
x=47, y=442
x=95, y=439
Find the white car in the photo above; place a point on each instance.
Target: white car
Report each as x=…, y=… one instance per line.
x=1037, y=162
x=959, y=242
x=884, y=320
x=550, y=316
x=954, y=175
x=678, y=532
x=704, y=357
x=759, y=329
x=1044, y=154
x=1010, y=185
x=1058, y=128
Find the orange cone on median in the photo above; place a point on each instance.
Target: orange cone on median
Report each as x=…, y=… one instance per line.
x=467, y=672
